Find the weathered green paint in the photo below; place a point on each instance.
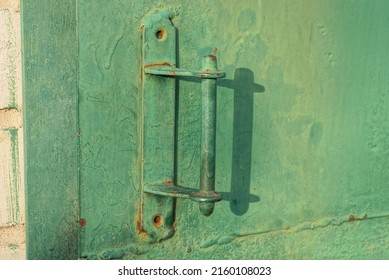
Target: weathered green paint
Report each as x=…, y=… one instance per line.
x=302, y=129
x=50, y=60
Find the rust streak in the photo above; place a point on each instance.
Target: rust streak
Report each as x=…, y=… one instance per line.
x=212, y=57
x=167, y=182
x=159, y=64
x=352, y=218
x=139, y=226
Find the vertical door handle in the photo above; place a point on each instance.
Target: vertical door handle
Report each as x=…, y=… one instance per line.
x=159, y=67
x=206, y=195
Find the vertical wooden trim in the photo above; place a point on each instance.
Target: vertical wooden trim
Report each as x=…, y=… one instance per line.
x=50, y=92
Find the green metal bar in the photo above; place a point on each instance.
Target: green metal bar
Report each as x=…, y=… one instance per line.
x=181, y=192
x=208, y=134
x=173, y=71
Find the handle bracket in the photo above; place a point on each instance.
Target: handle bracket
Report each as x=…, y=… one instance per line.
x=158, y=129
x=179, y=72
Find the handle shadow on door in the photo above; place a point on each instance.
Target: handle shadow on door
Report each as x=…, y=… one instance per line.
x=244, y=88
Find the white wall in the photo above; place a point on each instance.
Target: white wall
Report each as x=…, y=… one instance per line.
x=12, y=217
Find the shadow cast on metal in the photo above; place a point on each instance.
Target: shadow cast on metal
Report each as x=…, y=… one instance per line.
x=244, y=88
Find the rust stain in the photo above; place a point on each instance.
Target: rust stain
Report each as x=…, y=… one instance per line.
x=159, y=64
x=141, y=231
x=78, y=133
x=352, y=218
x=167, y=182
x=82, y=222
x=157, y=221
x=139, y=220
x=161, y=34
x=141, y=74
x=212, y=57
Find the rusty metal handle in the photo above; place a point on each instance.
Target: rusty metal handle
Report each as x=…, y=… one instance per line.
x=206, y=196
x=208, y=135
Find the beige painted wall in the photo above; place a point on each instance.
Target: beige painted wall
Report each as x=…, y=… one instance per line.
x=12, y=217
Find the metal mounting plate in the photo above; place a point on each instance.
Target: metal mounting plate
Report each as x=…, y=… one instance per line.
x=158, y=128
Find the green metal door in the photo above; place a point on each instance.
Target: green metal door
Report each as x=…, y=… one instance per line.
x=302, y=132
